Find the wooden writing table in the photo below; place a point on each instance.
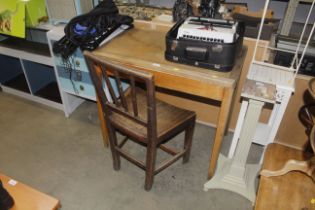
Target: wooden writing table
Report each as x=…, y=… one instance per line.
x=143, y=47
x=27, y=198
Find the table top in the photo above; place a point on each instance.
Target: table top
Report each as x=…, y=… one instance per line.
x=27, y=198
x=294, y=190
x=259, y=91
x=144, y=46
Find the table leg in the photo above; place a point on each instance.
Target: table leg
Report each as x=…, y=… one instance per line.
x=230, y=112
x=221, y=125
x=101, y=114
x=103, y=123
x=237, y=131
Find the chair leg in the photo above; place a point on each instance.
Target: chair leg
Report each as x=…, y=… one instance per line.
x=150, y=166
x=113, y=145
x=189, y=132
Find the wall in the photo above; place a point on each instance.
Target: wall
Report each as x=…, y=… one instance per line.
x=278, y=7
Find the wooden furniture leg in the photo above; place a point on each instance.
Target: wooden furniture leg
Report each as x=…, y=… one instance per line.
x=103, y=123
x=307, y=167
x=234, y=93
x=101, y=114
x=221, y=124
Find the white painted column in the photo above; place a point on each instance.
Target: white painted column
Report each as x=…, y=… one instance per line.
x=246, y=136
x=239, y=124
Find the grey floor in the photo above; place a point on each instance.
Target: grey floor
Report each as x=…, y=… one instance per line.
x=65, y=158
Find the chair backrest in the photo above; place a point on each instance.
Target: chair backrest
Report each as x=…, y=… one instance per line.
x=107, y=75
x=306, y=115
x=311, y=87
x=312, y=138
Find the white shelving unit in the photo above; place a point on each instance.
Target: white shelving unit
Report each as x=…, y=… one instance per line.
x=73, y=92
x=27, y=71
x=76, y=87
x=22, y=54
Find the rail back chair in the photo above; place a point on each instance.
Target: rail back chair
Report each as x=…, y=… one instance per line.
x=139, y=116
x=306, y=116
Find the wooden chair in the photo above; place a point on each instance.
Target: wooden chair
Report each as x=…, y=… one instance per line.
x=138, y=115
x=307, y=118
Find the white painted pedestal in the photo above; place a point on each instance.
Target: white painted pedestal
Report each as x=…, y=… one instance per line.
x=234, y=174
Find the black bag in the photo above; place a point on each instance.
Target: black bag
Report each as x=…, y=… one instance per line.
x=87, y=31
x=6, y=201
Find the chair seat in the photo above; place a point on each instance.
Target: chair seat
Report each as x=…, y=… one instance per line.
x=169, y=117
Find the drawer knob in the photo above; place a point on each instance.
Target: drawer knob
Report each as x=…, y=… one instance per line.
x=77, y=63
x=81, y=87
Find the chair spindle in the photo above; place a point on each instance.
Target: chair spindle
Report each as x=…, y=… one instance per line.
x=134, y=96
x=120, y=90
x=109, y=86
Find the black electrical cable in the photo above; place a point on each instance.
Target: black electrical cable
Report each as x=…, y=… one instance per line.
x=69, y=68
x=95, y=26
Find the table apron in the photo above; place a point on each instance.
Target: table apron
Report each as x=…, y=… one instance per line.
x=190, y=86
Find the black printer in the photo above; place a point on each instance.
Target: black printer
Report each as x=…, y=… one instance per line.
x=205, y=42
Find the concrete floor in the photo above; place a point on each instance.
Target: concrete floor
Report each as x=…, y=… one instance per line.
x=66, y=158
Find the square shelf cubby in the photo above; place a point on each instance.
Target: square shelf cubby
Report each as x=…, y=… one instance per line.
x=42, y=80
x=12, y=75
